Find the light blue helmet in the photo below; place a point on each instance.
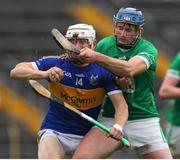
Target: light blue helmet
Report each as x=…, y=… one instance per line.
x=130, y=15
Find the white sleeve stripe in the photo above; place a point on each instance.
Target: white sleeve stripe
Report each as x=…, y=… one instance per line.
x=35, y=66
x=173, y=75
x=114, y=92
x=145, y=60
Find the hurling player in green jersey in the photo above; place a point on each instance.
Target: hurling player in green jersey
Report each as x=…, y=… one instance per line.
x=170, y=89
x=133, y=59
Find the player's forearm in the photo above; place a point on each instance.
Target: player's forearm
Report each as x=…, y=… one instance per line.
x=117, y=66
x=121, y=115
x=25, y=72
x=169, y=92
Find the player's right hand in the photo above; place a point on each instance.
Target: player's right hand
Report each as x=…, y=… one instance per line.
x=87, y=55
x=55, y=74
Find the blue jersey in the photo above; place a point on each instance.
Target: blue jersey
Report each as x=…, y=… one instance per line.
x=83, y=87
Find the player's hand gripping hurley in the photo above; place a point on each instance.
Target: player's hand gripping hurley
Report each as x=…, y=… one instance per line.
x=45, y=93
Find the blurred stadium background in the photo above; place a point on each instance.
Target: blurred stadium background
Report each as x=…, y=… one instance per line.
x=25, y=36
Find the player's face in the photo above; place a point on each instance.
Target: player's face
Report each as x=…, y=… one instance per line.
x=126, y=33
x=80, y=43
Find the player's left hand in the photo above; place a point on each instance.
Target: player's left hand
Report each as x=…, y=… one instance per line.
x=116, y=132
x=124, y=82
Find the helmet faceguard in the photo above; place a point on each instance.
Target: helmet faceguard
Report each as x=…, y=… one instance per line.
x=131, y=16
x=81, y=31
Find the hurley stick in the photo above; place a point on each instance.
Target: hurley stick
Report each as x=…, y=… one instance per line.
x=45, y=93
x=63, y=43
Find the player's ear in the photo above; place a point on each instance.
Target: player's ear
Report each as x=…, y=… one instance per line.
x=141, y=31
x=94, y=44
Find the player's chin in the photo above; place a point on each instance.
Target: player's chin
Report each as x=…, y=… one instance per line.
x=72, y=55
x=123, y=42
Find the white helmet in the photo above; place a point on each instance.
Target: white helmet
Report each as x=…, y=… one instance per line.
x=83, y=31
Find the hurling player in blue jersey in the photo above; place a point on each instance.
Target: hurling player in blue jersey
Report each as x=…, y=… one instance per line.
x=79, y=84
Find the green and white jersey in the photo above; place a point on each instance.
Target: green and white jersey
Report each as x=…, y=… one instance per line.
x=140, y=98
x=174, y=71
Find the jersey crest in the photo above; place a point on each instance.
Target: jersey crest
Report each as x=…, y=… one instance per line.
x=94, y=80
